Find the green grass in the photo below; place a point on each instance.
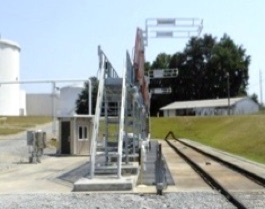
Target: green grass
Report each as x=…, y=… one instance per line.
x=262, y=111
x=113, y=130
x=15, y=124
x=241, y=135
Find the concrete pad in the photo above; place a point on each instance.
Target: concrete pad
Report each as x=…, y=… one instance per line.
x=145, y=189
x=104, y=184
x=39, y=178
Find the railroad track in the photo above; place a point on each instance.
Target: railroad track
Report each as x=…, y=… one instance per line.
x=228, y=179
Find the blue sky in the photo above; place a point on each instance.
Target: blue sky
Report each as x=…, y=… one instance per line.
x=59, y=38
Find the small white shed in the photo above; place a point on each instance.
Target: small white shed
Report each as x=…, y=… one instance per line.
x=75, y=134
x=236, y=106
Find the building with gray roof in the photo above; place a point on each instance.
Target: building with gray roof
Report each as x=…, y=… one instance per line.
x=233, y=106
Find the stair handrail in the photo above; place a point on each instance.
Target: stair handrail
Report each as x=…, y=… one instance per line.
x=122, y=121
x=105, y=70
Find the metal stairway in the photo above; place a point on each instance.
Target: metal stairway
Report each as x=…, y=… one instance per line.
x=117, y=135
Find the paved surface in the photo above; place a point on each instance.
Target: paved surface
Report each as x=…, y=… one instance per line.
x=75, y=174
x=18, y=176
x=41, y=177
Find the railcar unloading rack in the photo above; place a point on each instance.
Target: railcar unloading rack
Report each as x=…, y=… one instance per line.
x=123, y=103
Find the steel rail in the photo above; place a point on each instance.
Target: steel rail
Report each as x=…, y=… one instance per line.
x=206, y=177
x=250, y=175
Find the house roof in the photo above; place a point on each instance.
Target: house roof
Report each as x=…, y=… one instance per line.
x=201, y=103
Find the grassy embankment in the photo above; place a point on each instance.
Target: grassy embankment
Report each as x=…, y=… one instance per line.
x=241, y=135
x=13, y=125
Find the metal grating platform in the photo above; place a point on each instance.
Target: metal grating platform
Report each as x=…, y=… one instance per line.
x=148, y=175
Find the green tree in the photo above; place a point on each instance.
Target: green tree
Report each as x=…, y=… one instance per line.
x=230, y=62
x=147, y=67
x=161, y=62
x=254, y=97
x=206, y=68
x=82, y=101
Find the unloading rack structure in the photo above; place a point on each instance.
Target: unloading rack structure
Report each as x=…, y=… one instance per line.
x=121, y=123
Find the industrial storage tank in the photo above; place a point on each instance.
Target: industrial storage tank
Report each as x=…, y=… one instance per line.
x=9, y=71
x=22, y=103
x=68, y=97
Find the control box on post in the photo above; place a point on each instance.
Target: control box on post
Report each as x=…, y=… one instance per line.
x=36, y=141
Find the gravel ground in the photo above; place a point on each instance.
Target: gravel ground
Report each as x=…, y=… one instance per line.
x=252, y=200
x=14, y=149
x=13, y=152
x=115, y=201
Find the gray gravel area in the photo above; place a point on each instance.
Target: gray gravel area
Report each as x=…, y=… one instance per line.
x=14, y=150
x=255, y=200
x=196, y=200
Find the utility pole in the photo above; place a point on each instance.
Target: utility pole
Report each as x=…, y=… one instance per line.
x=228, y=93
x=260, y=86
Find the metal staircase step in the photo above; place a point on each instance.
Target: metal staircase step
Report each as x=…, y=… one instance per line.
x=113, y=82
x=113, y=98
x=113, y=120
x=110, y=154
x=112, y=169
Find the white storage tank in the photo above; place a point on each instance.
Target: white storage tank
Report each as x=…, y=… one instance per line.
x=9, y=71
x=68, y=97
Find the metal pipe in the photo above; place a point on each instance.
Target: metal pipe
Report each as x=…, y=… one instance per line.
x=53, y=109
x=89, y=102
x=43, y=81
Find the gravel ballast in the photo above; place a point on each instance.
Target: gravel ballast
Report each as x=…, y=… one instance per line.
x=190, y=200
